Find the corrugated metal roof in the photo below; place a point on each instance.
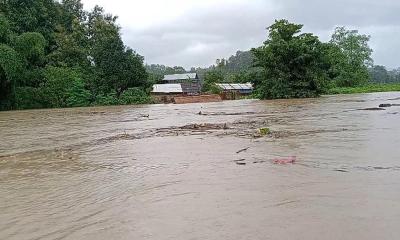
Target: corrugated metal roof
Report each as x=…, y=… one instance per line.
x=235, y=86
x=184, y=76
x=167, y=88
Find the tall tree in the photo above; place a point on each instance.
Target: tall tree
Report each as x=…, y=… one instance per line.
x=117, y=67
x=40, y=16
x=379, y=74
x=31, y=46
x=292, y=63
x=210, y=79
x=356, y=58
x=5, y=29
x=10, y=69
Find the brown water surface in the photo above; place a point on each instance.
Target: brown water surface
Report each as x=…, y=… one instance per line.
x=203, y=171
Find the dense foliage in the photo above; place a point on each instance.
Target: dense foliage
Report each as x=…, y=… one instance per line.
x=295, y=64
x=354, y=58
x=210, y=79
x=56, y=54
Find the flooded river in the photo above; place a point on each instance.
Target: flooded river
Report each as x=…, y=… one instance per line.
x=203, y=171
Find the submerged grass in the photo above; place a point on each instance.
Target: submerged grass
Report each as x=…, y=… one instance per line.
x=370, y=88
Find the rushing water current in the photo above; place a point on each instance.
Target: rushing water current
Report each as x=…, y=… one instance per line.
x=203, y=171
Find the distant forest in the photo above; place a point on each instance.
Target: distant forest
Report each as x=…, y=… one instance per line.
x=235, y=69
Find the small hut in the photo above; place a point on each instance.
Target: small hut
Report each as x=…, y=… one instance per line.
x=232, y=91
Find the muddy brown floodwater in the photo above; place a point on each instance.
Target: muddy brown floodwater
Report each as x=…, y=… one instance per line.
x=204, y=171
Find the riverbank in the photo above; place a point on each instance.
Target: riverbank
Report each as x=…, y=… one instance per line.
x=370, y=88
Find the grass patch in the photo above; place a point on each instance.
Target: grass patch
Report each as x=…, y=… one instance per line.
x=370, y=88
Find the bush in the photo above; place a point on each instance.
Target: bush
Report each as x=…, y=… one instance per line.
x=4, y=29
x=130, y=96
x=106, y=99
x=135, y=96
x=77, y=95
x=210, y=79
x=366, y=89
x=28, y=98
x=31, y=46
x=10, y=71
x=63, y=87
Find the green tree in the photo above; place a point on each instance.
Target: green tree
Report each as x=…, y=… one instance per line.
x=292, y=63
x=394, y=75
x=157, y=72
x=77, y=95
x=353, y=65
x=117, y=67
x=40, y=16
x=379, y=74
x=31, y=46
x=63, y=87
x=132, y=73
x=5, y=29
x=72, y=48
x=73, y=10
x=53, y=52
x=10, y=70
x=210, y=79
x=174, y=70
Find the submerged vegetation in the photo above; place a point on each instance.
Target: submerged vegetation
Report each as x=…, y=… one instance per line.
x=56, y=54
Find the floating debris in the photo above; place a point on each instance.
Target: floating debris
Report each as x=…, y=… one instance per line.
x=372, y=109
x=205, y=126
x=262, y=161
x=242, y=150
x=240, y=162
x=386, y=105
x=341, y=170
x=265, y=131
x=394, y=99
x=287, y=160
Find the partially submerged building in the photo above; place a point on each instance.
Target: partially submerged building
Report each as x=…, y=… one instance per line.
x=232, y=91
x=190, y=82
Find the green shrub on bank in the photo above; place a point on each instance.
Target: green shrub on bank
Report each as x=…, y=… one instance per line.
x=370, y=88
x=129, y=97
x=28, y=98
x=135, y=96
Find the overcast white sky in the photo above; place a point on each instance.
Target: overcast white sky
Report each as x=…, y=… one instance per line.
x=196, y=32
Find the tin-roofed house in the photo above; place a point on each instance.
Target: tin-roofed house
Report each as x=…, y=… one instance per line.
x=165, y=93
x=232, y=91
x=190, y=82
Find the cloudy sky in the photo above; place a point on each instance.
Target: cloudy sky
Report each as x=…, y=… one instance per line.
x=196, y=32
